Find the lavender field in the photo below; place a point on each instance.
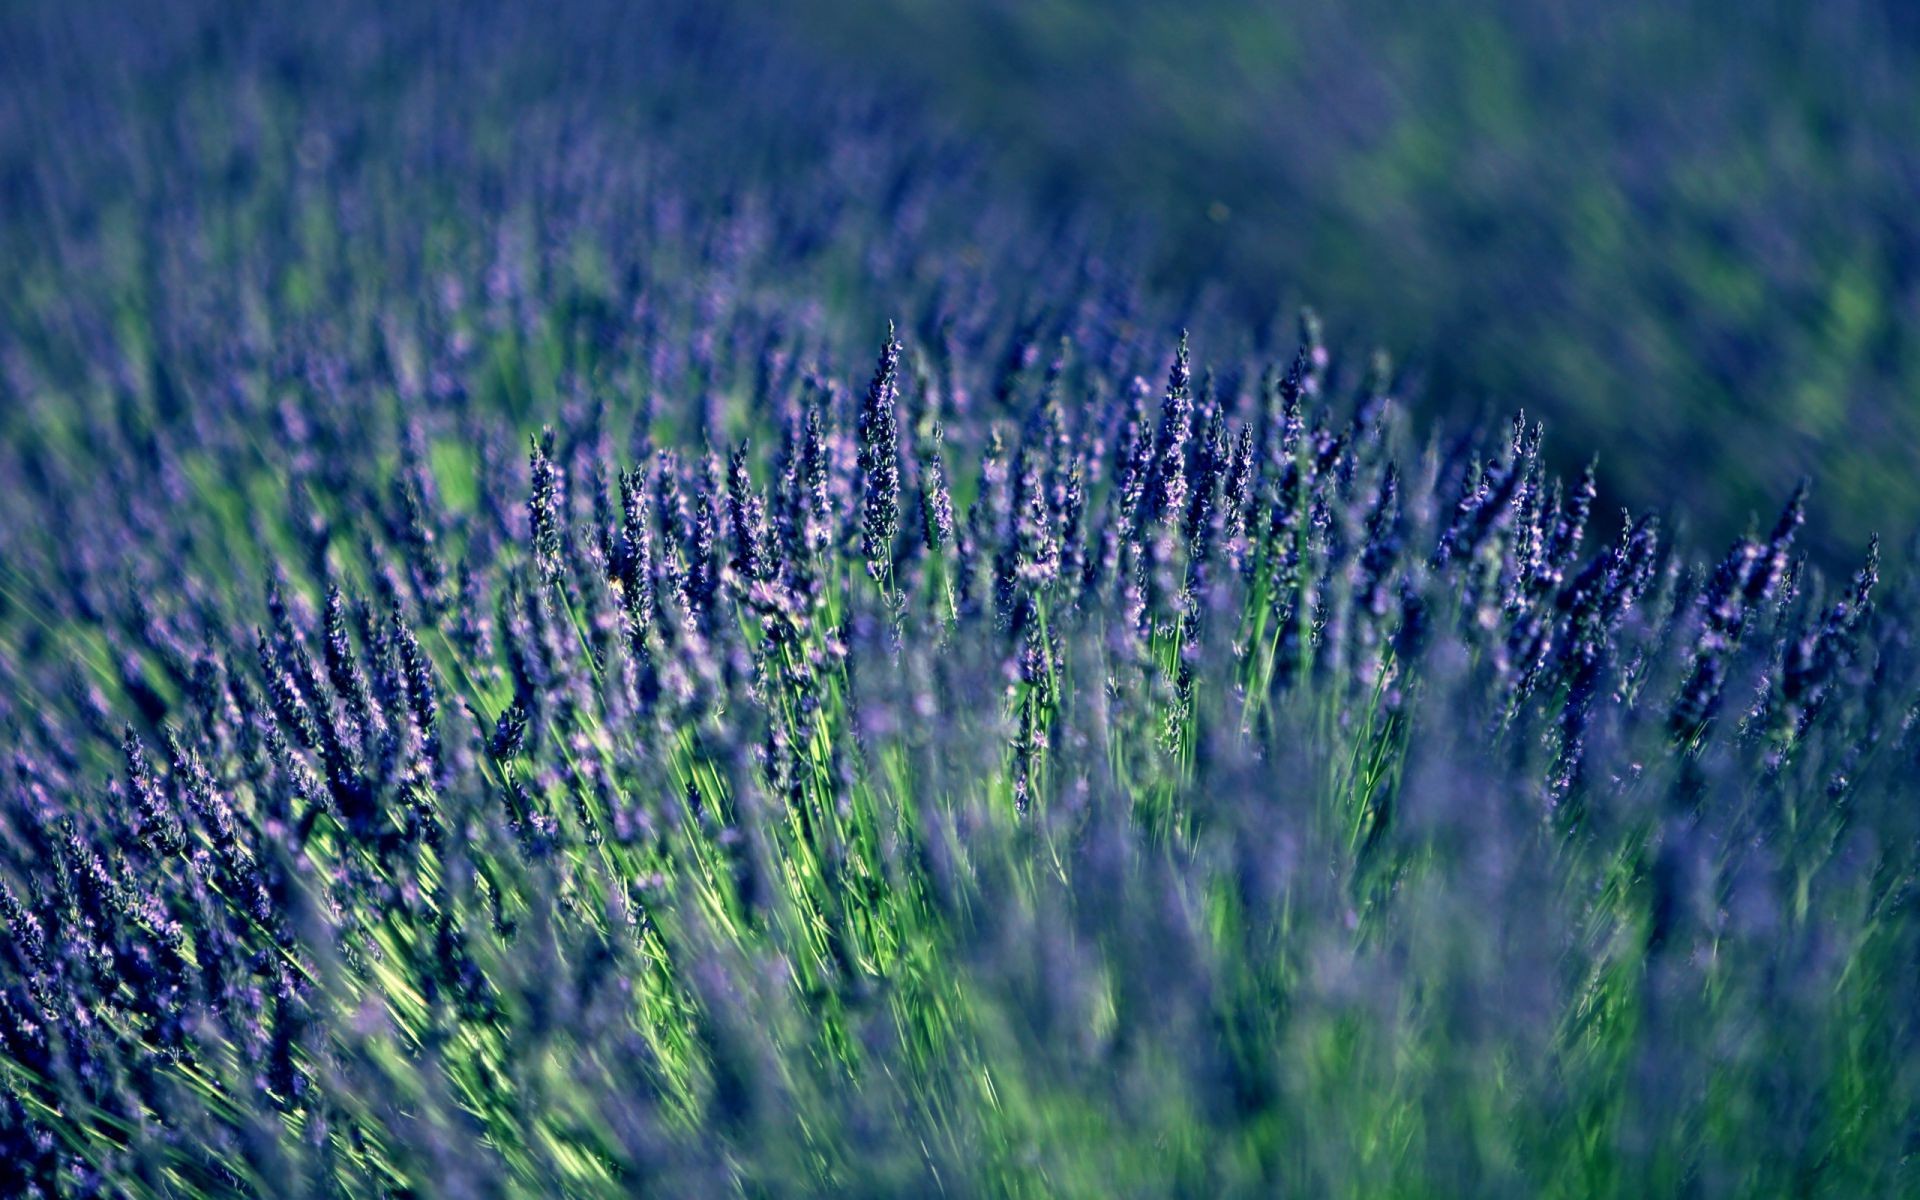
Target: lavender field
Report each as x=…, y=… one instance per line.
x=603, y=600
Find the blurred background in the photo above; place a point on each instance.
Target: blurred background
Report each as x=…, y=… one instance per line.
x=1684, y=232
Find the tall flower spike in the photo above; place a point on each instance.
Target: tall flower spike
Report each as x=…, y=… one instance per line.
x=636, y=555
x=342, y=670
x=1176, y=430
x=703, y=566
x=880, y=462
x=747, y=513
x=544, y=508
x=936, y=503
x=1763, y=582
x=414, y=531
x=160, y=825
x=417, y=671
x=816, y=470
x=284, y=693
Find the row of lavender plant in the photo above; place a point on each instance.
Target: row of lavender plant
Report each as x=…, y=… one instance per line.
x=565, y=713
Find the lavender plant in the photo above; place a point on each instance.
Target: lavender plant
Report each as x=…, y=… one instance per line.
x=580, y=705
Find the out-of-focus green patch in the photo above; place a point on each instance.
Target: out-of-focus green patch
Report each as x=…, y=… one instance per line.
x=456, y=471
x=1502, y=186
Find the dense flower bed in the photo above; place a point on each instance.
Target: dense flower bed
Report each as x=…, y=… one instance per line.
x=517, y=680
